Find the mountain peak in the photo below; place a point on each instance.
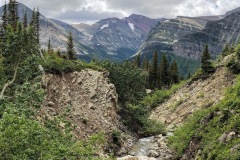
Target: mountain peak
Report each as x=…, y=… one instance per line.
x=232, y=11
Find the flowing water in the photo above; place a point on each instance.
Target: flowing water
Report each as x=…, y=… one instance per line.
x=142, y=147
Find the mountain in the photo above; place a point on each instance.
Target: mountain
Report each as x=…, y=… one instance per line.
x=58, y=32
x=119, y=38
x=216, y=34
x=170, y=31
x=183, y=38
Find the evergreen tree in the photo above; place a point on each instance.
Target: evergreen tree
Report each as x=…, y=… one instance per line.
x=70, y=48
x=16, y=56
x=153, y=75
x=174, y=72
x=206, y=64
x=189, y=75
x=5, y=16
x=138, y=61
x=59, y=52
x=38, y=25
x=145, y=64
x=33, y=20
x=25, y=20
x=49, y=46
x=13, y=14
x=238, y=53
x=164, y=71
x=231, y=49
x=225, y=50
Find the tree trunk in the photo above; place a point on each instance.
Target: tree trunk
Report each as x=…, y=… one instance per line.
x=9, y=83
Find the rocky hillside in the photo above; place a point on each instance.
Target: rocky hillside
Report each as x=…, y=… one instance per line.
x=168, y=32
x=192, y=97
x=119, y=38
x=174, y=112
x=216, y=34
x=186, y=36
x=86, y=100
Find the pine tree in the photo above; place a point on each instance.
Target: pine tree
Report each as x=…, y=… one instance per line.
x=38, y=25
x=238, y=53
x=59, y=52
x=153, y=75
x=13, y=14
x=5, y=16
x=70, y=48
x=174, y=72
x=164, y=71
x=145, y=64
x=138, y=61
x=206, y=64
x=33, y=20
x=225, y=50
x=189, y=75
x=49, y=46
x=25, y=20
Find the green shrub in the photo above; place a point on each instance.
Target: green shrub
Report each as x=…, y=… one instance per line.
x=160, y=96
x=57, y=65
x=234, y=66
x=208, y=125
x=128, y=80
x=115, y=136
x=152, y=127
x=23, y=138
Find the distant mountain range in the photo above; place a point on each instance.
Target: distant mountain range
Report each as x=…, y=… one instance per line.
x=182, y=38
x=119, y=38
x=112, y=38
x=186, y=36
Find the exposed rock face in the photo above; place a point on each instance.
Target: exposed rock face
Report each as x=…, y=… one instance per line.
x=169, y=32
x=187, y=36
x=216, y=34
x=119, y=38
x=192, y=97
x=85, y=98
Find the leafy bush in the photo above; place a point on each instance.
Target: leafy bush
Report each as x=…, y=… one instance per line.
x=58, y=65
x=129, y=81
x=208, y=125
x=115, y=136
x=234, y=65
x=160, y=96
x=25, y=99
x=23, y=138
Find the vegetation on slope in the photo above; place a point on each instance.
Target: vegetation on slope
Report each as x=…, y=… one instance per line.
x=22, y=135
x=213, y=133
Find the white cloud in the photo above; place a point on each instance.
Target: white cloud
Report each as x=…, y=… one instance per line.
x=92, y=10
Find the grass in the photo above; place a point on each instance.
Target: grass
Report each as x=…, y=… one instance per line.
x=57, y=65
x=160, y=96
x=208, y=125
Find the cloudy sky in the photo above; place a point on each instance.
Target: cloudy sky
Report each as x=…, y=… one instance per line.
x=75, y=11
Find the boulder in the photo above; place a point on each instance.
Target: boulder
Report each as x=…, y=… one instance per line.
x=153, y=153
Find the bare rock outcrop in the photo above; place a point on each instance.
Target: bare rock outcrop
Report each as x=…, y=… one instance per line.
x=86, y=99
x=192, y=97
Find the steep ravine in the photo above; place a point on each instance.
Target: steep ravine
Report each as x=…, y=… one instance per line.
x=174, y=111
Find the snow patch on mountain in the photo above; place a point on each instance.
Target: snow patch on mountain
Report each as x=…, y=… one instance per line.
x=131, y=25
x=105, y=26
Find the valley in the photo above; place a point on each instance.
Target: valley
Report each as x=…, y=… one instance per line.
x=125, y=87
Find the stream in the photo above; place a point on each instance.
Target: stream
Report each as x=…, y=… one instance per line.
x=150, y=148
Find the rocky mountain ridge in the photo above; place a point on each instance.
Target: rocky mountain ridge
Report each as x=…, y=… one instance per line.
x=186, y=36
x=111, y=38
x=119, y=38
